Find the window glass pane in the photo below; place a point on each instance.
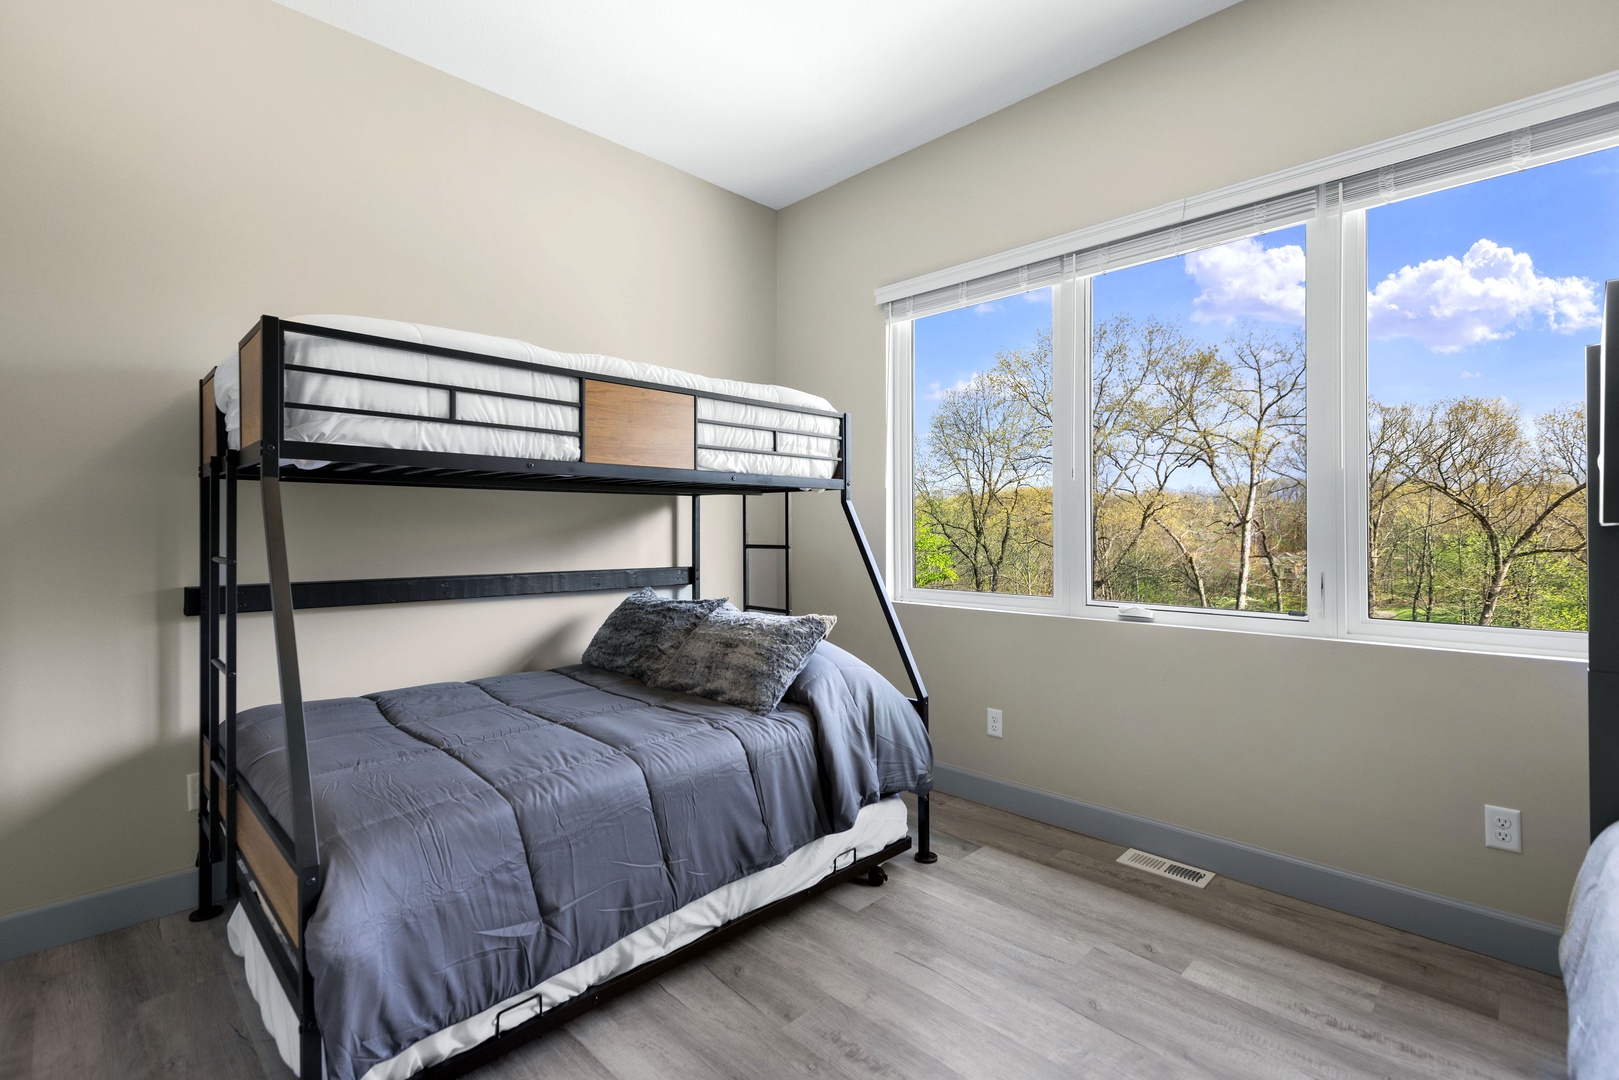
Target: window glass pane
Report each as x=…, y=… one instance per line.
x=1480, y=301
x=1197, y=427
x=982, y=484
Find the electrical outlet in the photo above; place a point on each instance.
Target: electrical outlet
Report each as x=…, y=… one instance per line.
x=1503, y=828
x=191, y=792
x=993, y=723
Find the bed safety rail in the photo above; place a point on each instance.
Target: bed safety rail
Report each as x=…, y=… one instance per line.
x=626, y=434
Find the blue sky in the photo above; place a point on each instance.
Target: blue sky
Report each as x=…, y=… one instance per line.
x=1522, y=334
x=952, y=345
x=1488, y=289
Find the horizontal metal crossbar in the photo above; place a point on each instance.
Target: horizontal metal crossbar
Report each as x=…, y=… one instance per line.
x=448, y=388
x=420, y=468
x=424, y=418
x=370, y=591
x=768, y=453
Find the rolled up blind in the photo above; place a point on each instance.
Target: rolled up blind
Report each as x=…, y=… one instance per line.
x=1263, y=216
x=1537, y=144
x=1524, y=148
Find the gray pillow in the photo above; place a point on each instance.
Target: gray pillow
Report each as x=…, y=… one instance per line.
x=745, y=658
x=644, y=631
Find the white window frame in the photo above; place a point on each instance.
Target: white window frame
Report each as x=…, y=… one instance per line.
x=1336, y=399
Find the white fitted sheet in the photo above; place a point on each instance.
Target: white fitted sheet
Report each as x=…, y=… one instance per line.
x=876, y=826
x=739, y=448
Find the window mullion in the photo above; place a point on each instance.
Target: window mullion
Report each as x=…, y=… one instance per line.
x=1351, y=339
x=1070, y=525
x=1325, y=448
x=902, y=376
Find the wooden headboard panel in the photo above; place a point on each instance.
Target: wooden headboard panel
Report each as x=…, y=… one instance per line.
x=632, y=425
x=208, y=418
x=250, y=376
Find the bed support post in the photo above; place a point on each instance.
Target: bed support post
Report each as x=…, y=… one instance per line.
x=306, y=846
x=924, y=845
x=208, y=651
x=697, y=547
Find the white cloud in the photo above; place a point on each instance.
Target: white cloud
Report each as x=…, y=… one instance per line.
x=1472, y=375
x=986, y=309
x=1247, y=280
x=1486, y=295
x=937, y=391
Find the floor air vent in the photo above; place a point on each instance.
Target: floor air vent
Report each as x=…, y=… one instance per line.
x=1156, y=864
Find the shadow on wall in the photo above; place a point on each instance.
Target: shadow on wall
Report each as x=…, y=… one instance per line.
x=123, y=823
x=559, y=645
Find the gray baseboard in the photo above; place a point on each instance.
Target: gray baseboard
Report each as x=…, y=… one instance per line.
x=25, y=932
x=1469, y=926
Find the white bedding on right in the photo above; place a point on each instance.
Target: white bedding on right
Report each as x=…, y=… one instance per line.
x=1589, y=957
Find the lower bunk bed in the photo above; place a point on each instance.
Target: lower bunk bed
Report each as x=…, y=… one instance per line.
x=500, y=854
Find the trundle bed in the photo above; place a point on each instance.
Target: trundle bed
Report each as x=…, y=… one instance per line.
x=426, y=877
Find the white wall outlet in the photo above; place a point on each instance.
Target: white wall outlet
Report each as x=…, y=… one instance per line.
x=992, y=724
x=191, y=792
x=1503, y=828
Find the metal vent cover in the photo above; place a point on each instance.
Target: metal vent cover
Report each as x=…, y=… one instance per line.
x=1168, y=868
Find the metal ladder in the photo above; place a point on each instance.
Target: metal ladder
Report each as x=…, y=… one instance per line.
x=216, y=803
x=785, y=547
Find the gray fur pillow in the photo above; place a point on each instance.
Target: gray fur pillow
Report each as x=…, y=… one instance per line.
x=644, y=631
x=745, y=658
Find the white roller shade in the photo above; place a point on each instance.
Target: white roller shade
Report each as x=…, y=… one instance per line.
x=1158, y=243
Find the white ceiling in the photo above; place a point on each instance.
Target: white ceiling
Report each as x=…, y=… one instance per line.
x=772, y=100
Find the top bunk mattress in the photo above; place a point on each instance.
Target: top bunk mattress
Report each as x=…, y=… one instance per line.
x=326, y=405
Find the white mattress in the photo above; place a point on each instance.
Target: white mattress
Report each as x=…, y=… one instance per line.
x=796, y=432
x=877, y=826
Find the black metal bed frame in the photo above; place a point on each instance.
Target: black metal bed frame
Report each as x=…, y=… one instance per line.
x=220, y=598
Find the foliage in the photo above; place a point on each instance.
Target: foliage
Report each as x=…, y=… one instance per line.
x=1198, y=482
x=1476, y=517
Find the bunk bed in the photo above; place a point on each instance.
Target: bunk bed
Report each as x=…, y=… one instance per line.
x=353, y=401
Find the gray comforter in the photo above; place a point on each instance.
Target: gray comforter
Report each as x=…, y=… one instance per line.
x=479, y=838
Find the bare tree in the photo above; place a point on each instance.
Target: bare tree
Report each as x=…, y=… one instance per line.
x=1135, y=454
x=1522, y=492
x=1242, y=410
x=983, y=476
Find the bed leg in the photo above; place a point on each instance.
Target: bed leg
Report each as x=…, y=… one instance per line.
x=924, y=833
x=311, y=1062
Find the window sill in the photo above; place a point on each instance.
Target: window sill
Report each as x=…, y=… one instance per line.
x=1559, y=645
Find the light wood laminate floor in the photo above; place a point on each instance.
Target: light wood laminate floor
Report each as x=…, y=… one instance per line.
x=1025, y=952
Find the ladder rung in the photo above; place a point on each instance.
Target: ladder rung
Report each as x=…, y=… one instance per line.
x=220, y=665
x=764, y=547
x=223, y=560
x=770, y=610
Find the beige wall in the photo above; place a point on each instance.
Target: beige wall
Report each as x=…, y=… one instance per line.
x=1372, y=758
x=171, y=169
x=168, y=171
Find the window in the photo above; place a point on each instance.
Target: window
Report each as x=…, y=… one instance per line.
x=1478, y=297
x=982, y=448
x=1197, y=418
x=1353, y=410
